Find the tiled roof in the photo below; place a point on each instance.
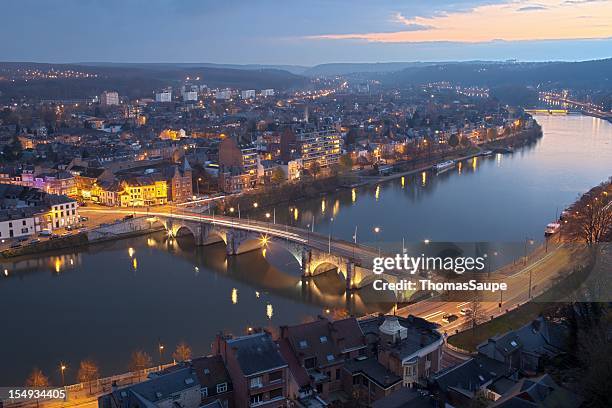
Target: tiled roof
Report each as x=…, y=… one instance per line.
x=256, y=353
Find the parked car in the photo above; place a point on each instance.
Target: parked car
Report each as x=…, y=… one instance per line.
x=15, y=245
x=34, y=241
x=84, y=218
x=22, y=239
x=46, y=233
x=128, y=217
x=465, y=312
x=449, y=317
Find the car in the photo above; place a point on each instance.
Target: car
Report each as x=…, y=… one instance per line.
x=449, y=317
x=128, y=217
x=16, y=245
x=34, y=241
x=46, y=233
x=69, y=228
x=22, y=239
x=465, y=312
x=54, y=236
x=84, y=218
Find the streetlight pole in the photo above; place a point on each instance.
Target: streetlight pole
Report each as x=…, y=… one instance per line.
x=161, y=351
x=530, y=270
x=377, y=231
x=62, y=369
x=331, y=227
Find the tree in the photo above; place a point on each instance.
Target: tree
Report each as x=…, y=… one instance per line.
x=140, y=361
x=278, y=176
x=476, y=312
x=593, y=223
x=182, y=352
x=314, y=168
x=37, y=379
x=453, y=140
x=88, y=372
x=346, y=162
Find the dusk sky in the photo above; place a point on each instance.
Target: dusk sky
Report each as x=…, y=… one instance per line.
x=304, y=32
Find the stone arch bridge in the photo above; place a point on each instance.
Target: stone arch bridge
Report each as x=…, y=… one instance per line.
x=315, y=253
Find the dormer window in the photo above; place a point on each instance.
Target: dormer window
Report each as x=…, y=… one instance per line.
x=330, y=357
x=221, y=388
x=323, y=339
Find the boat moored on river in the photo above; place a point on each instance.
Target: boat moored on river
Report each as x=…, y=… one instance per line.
x=443, y=165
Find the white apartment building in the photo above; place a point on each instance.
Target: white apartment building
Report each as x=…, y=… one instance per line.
x=223, y=94
x=190, y=96
x=163, y=96
x=109, y=98
x=247, y=94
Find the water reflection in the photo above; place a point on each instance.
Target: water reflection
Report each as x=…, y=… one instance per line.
x=108, y=300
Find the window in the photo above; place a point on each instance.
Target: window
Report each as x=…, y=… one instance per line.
x=221, y=388
x=310, y=362
x=337, y=373
x=204, y=392
x=256, y=398
x=303, y=344
x=276, y=393
x=275, y=376
x=330, y=357
x=256, y=382
x=323, y=339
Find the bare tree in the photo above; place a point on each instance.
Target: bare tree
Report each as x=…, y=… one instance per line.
x=593, y=223
x=314, y=168
x=88, y=373
x=475, y=314
x=37, y=379
x=140, y=361
x=182, y=352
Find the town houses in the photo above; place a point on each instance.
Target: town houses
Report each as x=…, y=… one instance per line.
x=378, y=361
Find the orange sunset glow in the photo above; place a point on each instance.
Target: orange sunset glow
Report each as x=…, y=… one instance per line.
x=513, y=21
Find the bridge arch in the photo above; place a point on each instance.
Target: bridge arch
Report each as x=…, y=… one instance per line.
x=255, y=241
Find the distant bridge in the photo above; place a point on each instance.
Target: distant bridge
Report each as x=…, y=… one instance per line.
x=315, y=253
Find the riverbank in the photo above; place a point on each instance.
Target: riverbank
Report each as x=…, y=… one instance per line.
x=295, y=192
x=109, y=232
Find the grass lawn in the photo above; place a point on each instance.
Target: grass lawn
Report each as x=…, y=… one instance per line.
x=469, y=339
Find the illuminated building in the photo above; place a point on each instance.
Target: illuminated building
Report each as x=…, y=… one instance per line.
x=143, y=191
x=109, y=98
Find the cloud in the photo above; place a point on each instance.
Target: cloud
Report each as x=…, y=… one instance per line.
x=532, y=8
x=408, y=24
x=547, y=20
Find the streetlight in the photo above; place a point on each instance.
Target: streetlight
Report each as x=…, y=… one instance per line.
x=198, y=185
x=62, y=369
x=331, y=228
x=255, y=205
x=161, y=352
x=376, y=231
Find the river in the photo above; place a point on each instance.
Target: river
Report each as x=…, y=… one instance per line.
x=106, y=301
